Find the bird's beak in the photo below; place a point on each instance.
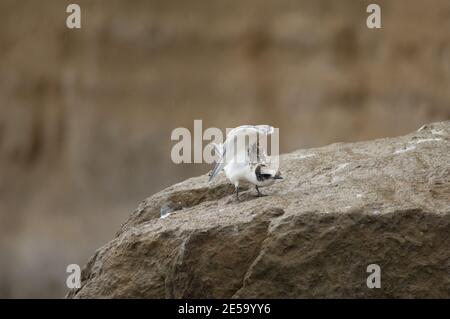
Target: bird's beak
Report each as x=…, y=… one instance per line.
x=278, y=177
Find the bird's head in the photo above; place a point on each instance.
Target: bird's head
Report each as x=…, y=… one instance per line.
x=264, y=173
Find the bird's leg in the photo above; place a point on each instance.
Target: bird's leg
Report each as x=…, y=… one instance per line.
x=237, y=193
x=259, y=193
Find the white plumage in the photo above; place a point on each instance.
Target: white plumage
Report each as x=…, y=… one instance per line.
x=244, y=160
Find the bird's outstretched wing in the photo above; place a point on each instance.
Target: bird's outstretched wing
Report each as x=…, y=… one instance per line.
x=250, y=130
x=220, y=164
x=257, y=154
x=236, y=144
x=236, y=148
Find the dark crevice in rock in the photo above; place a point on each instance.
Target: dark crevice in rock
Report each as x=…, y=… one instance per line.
x=212, y=263
x=267, y=215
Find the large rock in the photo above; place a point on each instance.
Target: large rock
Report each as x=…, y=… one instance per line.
x=86, y=115
x=339, y=209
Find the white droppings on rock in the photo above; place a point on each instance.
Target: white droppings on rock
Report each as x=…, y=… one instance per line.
x=337, y=179
x=341, y=167
x=423, y=127
x=438, y=132
x=404, y=150
x=305, y=156
x=426, y=140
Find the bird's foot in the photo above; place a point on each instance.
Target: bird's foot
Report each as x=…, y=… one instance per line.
x=258, y=193
x=237, y=200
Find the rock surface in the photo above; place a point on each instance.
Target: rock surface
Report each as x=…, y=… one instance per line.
x=339, y=209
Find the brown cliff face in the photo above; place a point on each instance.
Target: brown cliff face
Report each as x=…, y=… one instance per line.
x=339, y=209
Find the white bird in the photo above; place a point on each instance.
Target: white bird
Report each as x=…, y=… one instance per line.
x=243, y=161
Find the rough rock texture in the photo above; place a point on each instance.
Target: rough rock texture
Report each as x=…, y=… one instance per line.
x=339, y=209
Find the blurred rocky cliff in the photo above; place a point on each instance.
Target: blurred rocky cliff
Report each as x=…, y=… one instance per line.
x=86, y=115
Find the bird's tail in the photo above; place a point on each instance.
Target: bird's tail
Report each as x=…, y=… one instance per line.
x=220, y=150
